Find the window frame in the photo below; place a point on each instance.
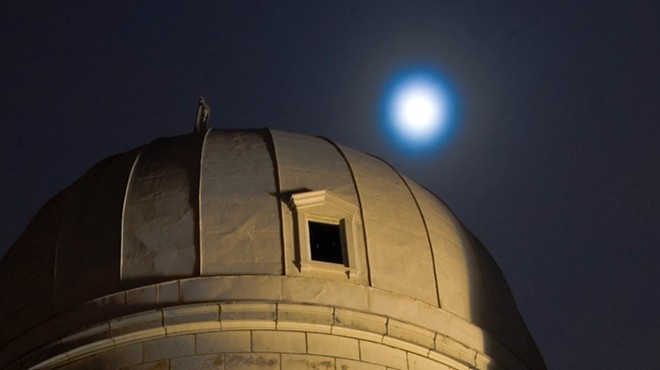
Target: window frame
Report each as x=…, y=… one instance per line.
x=325, y=207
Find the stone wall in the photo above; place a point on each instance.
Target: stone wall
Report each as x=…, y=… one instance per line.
x=257, y=350
x=282, y=319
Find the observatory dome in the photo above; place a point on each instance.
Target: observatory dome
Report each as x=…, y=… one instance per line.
x=273, y=246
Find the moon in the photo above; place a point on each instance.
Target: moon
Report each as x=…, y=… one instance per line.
x=417, y=108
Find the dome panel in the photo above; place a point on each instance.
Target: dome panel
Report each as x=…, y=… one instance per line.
x=26, y=271
x=459, y=282
x=239, y=205
x=397, y=244
x=312, y=163
x=160, y=214
x=88, y=238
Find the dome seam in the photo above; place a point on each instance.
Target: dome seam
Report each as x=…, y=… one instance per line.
x=57, y=247
x=200, y=224
x=278, y=188
x=426, y=228
x=359, y=198
x=123, y=215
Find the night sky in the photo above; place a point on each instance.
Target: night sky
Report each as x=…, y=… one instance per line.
x=554, y=162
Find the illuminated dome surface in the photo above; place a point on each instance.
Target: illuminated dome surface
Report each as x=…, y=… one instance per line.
x=196, y=225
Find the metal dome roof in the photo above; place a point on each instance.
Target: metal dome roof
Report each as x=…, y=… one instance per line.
x=230, y=203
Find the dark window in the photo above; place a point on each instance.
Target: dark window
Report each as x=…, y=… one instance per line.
x=325, y=242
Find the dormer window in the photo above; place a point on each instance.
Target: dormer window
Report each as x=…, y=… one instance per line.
x=324, y=234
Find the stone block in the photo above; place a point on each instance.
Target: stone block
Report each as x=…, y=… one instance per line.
x=392, y=305
x=304, y=317
x=383, y=355
x=449, y=361
x=484, y=362
x=278, y=341
x=410, y=333
x=95, y=311
x=136, y=323
x=433, y=318
x=331, y=345
x=87, y=336
x=142, y=297
x=303, y=327
x=252, y=361
x=405, y=345
x=496, y=349
x=324, y=292
x=229, y=288
x=143, y=335
x=358, y=334
x=82, y=364
x=118, y=357
x=180, y=345
x=450, y=325
x=360, y=321
x=168, y=292
x=193, y=327
x=90, y=348
x=305, y=313
x=459, y=351
x=193, y=313
x=307, y=362
x=203, y=362
x=154, y=365
x=248, y=315
x=416, y=362
x=224, y=341
x=344, y=364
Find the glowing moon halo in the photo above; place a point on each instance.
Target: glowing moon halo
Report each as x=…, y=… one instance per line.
x=417, y=109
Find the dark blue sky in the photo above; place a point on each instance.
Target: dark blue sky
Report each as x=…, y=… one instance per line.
x=554, y=165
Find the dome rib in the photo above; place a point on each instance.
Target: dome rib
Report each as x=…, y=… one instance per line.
x=359, y=198
x=199, y=228
x=462, y=284
x=278, y=187
x=426, y=227
x=123, y=213
x=400, y=258
x=67, y=207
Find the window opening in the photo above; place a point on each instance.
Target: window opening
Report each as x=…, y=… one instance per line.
x=325, y=242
